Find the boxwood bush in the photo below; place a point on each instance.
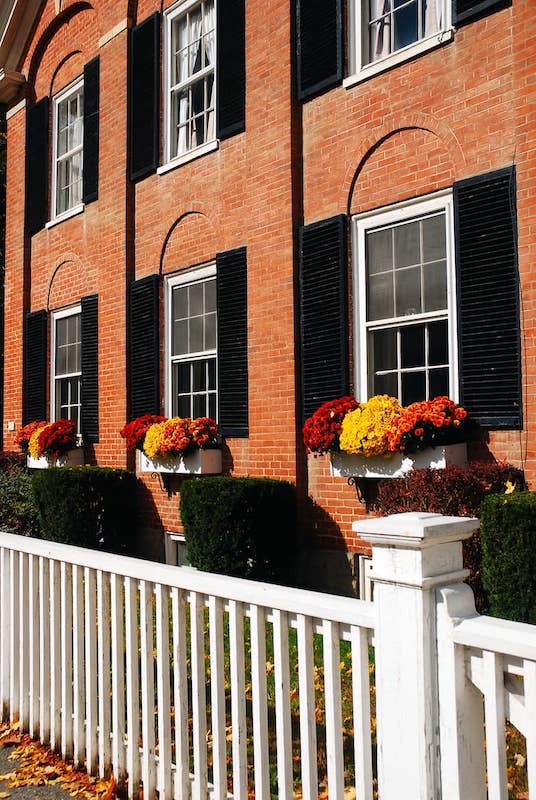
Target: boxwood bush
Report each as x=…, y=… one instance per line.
x=18, y=513
x=508, y=534
x=240, y=526
x=87, y=506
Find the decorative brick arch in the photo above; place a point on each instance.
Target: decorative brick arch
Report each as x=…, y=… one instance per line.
x=190, y=240
x=393, y=126
x=68, y=282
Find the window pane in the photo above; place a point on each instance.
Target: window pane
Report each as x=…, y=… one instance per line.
x=61, y=331
x=412, y=346
x=180, y=338
x=380, y=296
x=212, y=373
x=200, y=405
x=384, y=350
x=407, y=244
x=196, y=299
x=433, y=238
x=184, y=406
x=408, y=291
x=439, y=382
x=200, y=377
x=379, y=246
x=212, y=406
x=406, y=25
x=210, y=296
x=183, y=378
x=435, y=286
x=413, y=387
x=180, y=302
x=386, y=384
x=196, y=335
x=210, y=331
x=438, y=343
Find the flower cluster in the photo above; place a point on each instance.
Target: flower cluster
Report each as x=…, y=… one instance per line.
x=365, y=431
x=159, y=437
x=53, y=439
x=381, y=426
x=322, y=430
x=430, y=422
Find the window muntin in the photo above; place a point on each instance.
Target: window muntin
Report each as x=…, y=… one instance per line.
x=67, y=365
x=68, y=126
x=192, y=317
x=190, y=89
x=405, y=320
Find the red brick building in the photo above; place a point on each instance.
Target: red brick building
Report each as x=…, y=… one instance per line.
x=203, y=195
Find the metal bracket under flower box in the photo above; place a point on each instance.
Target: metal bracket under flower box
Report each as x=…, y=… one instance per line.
x=345, y=465
x=200, y=462
x=72, y=458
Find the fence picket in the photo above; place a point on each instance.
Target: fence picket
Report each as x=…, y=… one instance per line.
x=133, y=686
x=199, y=708
x=309, y=773
x=14, y=620
x=33, y=606
x=66, y=636
x=495, y=719
x=529, y=676
x=361, y=706
x=55, y=656
x=79, y=667
x=180, y=695
x=24, y=642
x=90, y=603
x=217, y=697
x=103, y=671
x=282, y=705
x=238, y=700
x=44, y=649
x=163, y=692
x=259, y=703
x=118, y=676
x=332, y=696
x=148, y=768
x=5, y=595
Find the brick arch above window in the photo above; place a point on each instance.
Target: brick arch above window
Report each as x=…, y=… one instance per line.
x=191, y=239
x=68, y=282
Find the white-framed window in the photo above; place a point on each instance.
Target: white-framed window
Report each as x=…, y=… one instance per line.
x=191, y=325
x=189, y=78
x=66, y=372
x=383, y=33
x=68, y=153
x=405, y=307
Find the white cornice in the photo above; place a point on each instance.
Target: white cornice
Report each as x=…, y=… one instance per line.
x=16, y=21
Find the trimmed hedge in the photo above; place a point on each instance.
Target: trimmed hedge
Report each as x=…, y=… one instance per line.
x=244, y=527
x=508, y=533
x=455, y=491
x=87, y=506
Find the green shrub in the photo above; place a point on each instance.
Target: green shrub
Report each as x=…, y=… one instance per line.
x=239, y=526
x=508, y=533
x=18, y=513
x=454, y=491
x=87, y=506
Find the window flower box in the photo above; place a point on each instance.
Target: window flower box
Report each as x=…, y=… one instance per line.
x=345, y=465
x=73, y=458
x=200, y=462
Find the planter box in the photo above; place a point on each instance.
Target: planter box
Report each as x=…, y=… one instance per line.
x=344, y=465
x=73, y=458
x=202, y=462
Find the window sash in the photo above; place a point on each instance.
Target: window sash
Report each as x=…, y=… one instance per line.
x=68, y=160
x=364, y=329
x=67, y=379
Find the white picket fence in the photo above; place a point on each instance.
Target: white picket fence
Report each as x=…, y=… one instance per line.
x=193, y=685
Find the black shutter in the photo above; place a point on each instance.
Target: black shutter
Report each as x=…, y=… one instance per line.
x=143, y=97
x=468, y=10
x=488, y=299
x=91, y=131
x=36, y=210
x=34, y=401
x=231, y=68
x=231, y=291
x=323, y=312
x=319, y=46
x=90, y=369
x=143, y=347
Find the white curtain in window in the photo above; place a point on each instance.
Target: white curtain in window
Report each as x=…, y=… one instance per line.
x=210, y=50
x=433, y=16
x=380, y=33
x=183, y=72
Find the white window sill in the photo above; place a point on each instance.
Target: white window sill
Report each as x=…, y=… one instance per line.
x=72, y=212
x=208, y=147
x=399, y=57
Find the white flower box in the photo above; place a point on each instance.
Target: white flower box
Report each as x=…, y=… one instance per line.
x=201, y=462
x=344, y=465
x=73, y=458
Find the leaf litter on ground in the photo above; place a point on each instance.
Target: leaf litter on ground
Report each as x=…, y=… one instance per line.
x=39, y=766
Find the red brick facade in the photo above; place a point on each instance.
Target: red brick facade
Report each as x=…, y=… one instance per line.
x=463, y=108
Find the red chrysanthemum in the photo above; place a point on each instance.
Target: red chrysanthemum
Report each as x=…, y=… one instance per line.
x=322, y=430
x=58, y=438
x=134, y=432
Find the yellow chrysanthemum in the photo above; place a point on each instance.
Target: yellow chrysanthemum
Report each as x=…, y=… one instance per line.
x=364, y=431
x=33, y=442
x=153, y=439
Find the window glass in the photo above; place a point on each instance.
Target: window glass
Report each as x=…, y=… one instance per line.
x=391, y=25
x=68, y=141
x=191, y=89
x=67, y=367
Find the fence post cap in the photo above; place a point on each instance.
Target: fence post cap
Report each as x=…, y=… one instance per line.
x=415, y=529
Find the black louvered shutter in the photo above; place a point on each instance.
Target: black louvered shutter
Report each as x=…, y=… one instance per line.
x=231, y=291
x=143, y=97
x=36, y=208
x=319, y=46
x=91, y=131
x=488, y=299
x=231, y=68
x=468, y=10
x=90, y=368
x=34, y=400
x=143, y=347
x=323, y=312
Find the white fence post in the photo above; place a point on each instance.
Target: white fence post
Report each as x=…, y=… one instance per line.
x=412, y=554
